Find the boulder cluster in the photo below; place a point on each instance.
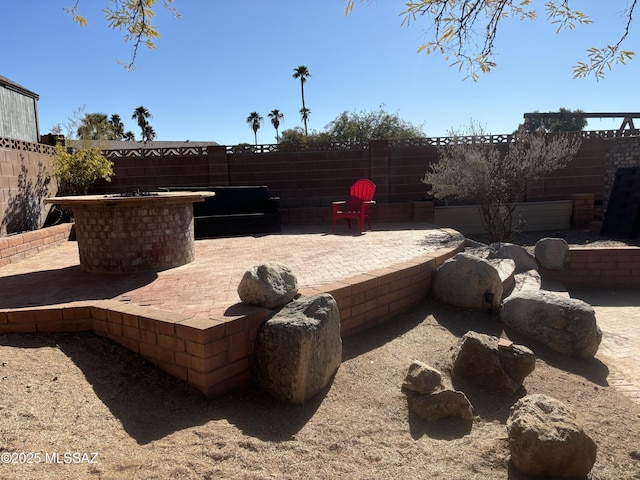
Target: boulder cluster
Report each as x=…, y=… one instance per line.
x=429, y=399
x=545, y=439
x=544, y=436
x=299, y=349
x=507, y=280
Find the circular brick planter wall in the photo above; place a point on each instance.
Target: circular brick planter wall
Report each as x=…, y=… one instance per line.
x=130, y=238
x=130, y=234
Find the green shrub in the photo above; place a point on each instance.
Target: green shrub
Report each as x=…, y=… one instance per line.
x=77, y=171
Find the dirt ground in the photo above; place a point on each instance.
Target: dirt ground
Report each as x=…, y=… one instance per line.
x=76, y=406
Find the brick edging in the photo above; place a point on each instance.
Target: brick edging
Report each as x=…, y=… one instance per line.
x=18, y=247
x=594, y=268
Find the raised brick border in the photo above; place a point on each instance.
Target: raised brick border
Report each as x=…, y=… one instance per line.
x=18, y=247
x=595, y=268
x=214, y=355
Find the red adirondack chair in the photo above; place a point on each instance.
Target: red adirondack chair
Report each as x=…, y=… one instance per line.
x=360, y=199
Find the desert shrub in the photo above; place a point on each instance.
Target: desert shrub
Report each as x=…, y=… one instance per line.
x=470, y=169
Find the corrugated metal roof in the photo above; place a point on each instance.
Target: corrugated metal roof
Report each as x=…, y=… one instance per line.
x=11, y=85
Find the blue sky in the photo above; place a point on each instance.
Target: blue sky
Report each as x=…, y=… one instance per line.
x=224, y=59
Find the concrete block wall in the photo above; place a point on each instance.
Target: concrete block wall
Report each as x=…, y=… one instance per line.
x=148, y=169
x=622, y=152
x=25, y=181
x=379, y=213
x=313, y=179
x=583, y=174
x=582, y=213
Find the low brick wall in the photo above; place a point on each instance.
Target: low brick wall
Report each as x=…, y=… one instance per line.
x=422, y=211
x=18, y=247
x=214, y=355
x=373, y=298
x=595, y=268
x=579, y=215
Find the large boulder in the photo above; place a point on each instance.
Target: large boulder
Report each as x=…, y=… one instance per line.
x=551, y=252
x=566, y=325
x=445, y=403
x=269, y=285
x=468, y=281
x=523, y=260
x=299, y=349
x=495, y=365
x=546, y=440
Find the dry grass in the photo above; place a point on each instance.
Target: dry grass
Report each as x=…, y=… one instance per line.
x=81, y=393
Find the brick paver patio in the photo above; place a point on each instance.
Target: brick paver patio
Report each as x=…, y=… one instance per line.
x=208, y=285
x=618, y=314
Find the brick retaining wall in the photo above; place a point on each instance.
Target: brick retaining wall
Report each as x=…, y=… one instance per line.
x=18, y=247
x=214, y=355
x=596, y=268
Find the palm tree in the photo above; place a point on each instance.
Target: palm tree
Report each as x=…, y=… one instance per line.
x=304, y=114
x=94, y=126
x=276, y=116
x=129, y=136
x=148, y=133
x=302, y=72
x=254, y=119
x=117, y=126
x=140, y=115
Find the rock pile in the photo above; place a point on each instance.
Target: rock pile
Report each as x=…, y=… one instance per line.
x=493, y=364
x=565, y=325
x=429, y=399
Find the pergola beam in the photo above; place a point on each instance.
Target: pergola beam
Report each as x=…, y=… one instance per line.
x=627, y=118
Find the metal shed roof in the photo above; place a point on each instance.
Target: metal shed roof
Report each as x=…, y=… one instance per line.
x=11, y=85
